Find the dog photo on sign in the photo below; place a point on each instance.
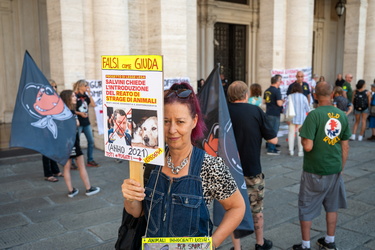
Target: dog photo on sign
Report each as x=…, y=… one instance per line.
x=145, y=129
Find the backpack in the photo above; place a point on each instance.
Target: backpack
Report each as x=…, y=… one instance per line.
x=360, y=101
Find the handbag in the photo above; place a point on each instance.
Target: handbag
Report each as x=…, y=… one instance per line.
x=130, y=232
x=290, y=112
x=133, y=229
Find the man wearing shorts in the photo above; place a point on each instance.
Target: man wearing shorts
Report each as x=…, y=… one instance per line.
x=325, y=134
x=250, y=126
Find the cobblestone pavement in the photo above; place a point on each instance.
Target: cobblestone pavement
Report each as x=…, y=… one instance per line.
x=36, y=214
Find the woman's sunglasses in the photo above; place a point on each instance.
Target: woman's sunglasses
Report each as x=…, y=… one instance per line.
x=180, y=93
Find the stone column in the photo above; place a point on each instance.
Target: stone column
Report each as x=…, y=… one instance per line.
x=271, y=48
x=369, y=64
x=111, y=25
x=209, y=39
x=299, y=33
x=355, y=35
x=66, y=39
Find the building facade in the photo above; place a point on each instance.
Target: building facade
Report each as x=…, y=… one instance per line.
x=248, y=38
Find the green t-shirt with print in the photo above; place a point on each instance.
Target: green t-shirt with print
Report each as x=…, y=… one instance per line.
x=326, y=126
x=348, y=89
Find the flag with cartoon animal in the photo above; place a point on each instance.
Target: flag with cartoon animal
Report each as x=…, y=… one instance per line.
x=41, y=121
x=220, y=141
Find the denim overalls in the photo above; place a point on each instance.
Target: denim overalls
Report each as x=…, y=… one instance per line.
x=178, y=206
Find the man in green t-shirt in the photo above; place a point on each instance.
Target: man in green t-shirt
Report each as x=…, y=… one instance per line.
x=325, y=134
x=347, y=87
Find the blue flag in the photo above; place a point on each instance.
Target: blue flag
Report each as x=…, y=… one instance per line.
x=41, y=121
x=220, y=141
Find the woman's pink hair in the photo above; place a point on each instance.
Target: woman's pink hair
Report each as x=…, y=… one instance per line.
x=192, y=102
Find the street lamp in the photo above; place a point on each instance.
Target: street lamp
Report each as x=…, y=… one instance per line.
x=340, y=8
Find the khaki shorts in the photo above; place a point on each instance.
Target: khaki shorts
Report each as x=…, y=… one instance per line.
x=255, y=190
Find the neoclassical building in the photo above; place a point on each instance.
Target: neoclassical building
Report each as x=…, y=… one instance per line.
x=248, y=38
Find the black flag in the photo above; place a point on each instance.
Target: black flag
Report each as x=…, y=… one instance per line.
x=41, y=121
x=220, y=141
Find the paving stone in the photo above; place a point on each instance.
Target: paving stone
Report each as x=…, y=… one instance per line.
x=276, y=183
x=106, y=231
x=20, y=235
x=293, y=189
x=275, y=171
x=370, y=244
x=359, y=184
x=71, y=240
x=362, y=224
x=60, y=211
x=356, y=172
x=356, y=207
x=5, y=198
x=286, y=235
x=16, y=185
x=366, y=197
x=13, y=220
x=347, y=239
x=33, y=193
x=275, y=215
x=20, y=206
x=91, y=218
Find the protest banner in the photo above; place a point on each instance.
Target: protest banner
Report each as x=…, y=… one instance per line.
x=133, y=109
x=97, y=95
x=288, y=76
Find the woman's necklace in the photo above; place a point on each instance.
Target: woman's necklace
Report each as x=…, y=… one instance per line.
x=176, y=169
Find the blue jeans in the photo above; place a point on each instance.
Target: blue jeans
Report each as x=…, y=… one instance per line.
x=90, y=140
x=275, y=123
x=178, y=208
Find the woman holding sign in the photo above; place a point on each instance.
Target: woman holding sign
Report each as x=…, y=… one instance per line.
x=180, y=192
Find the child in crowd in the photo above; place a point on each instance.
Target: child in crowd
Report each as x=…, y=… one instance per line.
x=70, y=99
x=255, y=95
x=340, y=102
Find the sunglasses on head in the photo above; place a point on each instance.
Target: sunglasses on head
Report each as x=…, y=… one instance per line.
x=180, y=93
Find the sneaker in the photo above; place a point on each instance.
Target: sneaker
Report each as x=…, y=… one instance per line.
x=291, y=152
x=92, y=191
x=73, y=193
x=372, y=138
x=300, y=154
x=274, y=152
x=324, y=245
x=266, y=245
x=352, y=138
x=360, y=138
x=92, y=164
x=299, y=247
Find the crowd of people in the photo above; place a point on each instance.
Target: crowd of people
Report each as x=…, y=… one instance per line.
x=191, y=179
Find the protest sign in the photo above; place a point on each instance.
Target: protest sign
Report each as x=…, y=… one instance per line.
x=133, y=108
x=97, y=95
x=177, y=243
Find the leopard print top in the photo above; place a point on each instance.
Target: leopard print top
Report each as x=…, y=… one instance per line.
x=217, y=181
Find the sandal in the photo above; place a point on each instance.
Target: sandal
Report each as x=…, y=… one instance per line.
x=51, y=179
x=58, y=175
